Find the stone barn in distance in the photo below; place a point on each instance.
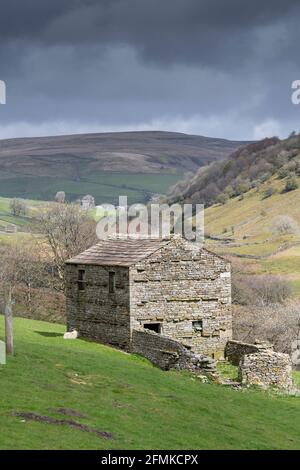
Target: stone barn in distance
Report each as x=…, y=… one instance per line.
x=172, y=287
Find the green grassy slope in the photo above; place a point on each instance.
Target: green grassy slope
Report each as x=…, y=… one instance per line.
x=106, y=187
x=142, y=406
x=6, y=216
x=243, y=229
x=22, y=222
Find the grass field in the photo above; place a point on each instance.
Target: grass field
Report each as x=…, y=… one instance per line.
x=6, y=217
x=244, y=231
x=140, y=406
x=105, y=186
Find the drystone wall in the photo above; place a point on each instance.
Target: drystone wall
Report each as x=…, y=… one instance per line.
x=170, y=354
x=235, y=350
x=265, y=369
x=187, y=291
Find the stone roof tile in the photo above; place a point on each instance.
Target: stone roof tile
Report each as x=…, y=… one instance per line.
x=118, y=252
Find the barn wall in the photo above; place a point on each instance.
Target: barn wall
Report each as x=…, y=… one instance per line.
x=95, y=313
x=177, y=286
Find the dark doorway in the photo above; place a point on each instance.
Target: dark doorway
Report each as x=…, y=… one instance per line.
x=153, y=327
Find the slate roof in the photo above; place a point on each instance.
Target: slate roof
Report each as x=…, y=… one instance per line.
x=118, y=252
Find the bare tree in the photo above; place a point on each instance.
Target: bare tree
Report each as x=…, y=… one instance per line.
x=277, y=323
x=60, y=197
x=68, y=230
x=27, y=276
x=259, y=290
x=17, y=207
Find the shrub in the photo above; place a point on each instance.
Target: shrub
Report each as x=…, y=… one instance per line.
x=283, y=173
x=265, y=176
x=269, y=192
x=291, y=184
x=229, y=190
x=241, y=188
x=222, y=198
x=260, y=290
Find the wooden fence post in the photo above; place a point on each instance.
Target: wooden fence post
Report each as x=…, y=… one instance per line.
x=9, y=339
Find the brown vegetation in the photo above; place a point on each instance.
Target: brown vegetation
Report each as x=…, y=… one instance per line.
x=277, y=323
x=79, y=155
x=245, y=169
x=260, y=290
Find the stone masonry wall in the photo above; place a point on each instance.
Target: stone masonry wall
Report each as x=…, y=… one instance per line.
x=235, y=350
x=170, y=354
x=266, y=368
x=178, y=286
x=95, y=313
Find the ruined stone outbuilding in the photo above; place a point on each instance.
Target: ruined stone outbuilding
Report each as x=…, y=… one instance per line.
x=258, y=364
x=172, y=287
x=266, y=369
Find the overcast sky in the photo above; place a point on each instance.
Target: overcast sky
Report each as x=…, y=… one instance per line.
x=220, y=68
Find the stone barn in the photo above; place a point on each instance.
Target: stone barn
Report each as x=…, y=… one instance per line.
x=171, y=287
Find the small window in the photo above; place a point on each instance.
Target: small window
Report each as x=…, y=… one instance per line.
x=197, y=325
x=81, y=279
x=153, y=327
x=111, y=282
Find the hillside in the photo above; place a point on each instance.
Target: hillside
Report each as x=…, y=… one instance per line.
x=246, y=168
x=252, y=201
x=248, y=230
x=105, y=165
x=260, y=228
x=58, y=394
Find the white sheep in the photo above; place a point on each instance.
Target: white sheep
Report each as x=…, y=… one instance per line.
x=71, y=334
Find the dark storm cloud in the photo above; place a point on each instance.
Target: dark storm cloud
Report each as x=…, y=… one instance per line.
x=220, y=67
x=201, y=31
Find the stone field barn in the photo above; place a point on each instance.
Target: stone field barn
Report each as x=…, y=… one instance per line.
x=171, y=287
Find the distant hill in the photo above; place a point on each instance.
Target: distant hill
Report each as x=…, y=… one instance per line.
x=138, y=163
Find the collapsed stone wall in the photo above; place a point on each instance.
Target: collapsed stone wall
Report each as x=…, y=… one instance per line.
x=266, y=368
x=167, y=353
x=235, y=350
